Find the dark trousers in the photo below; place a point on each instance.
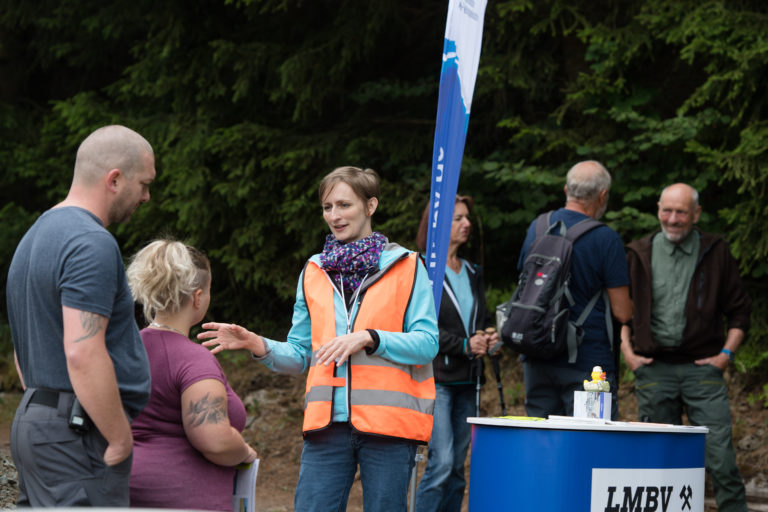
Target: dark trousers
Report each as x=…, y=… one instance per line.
x=59, y=467
x=549, y=389
x=664, y=390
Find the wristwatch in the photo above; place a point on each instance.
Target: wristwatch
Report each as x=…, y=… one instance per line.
x=731, y=355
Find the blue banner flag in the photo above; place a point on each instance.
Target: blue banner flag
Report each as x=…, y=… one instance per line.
x=461, y=54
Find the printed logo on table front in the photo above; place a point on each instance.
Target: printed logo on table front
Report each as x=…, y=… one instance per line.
x=647, y=490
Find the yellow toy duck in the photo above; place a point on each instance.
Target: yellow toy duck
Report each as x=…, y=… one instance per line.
x=598, y=382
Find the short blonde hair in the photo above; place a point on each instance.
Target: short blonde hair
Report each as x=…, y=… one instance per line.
x=364, y=182
x=164, y=275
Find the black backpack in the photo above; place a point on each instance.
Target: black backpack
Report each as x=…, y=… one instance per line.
x=534, y=321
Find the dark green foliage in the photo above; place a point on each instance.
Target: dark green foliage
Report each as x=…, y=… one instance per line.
x=249, y=103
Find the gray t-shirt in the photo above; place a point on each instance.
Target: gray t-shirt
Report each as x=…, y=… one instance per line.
x=68, y=258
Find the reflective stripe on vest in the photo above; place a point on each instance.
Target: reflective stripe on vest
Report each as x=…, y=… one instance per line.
x=386, y=398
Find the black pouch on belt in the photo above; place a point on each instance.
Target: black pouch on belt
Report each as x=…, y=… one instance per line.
x=78, y=418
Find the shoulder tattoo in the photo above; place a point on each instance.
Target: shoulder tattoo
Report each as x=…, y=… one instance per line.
x=207, y=410
x=91, y=324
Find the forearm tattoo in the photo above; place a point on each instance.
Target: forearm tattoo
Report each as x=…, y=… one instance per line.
x=91, y=324
x=207, y=410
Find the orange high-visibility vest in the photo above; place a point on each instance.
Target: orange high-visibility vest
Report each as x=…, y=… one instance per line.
x=385, y=398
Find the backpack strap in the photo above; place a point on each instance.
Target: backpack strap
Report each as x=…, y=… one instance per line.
x=573, y=233
x=574, y=330
x=572, y=339
x=609, y=320
x=581, y=227
x=544, y=225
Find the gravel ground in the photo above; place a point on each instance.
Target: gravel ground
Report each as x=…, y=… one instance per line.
x=277, y=437
x=9, y=485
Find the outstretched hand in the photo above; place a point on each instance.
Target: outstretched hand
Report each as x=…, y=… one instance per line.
x=231, y=337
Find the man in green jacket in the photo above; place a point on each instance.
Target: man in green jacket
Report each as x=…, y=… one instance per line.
x=691, y=314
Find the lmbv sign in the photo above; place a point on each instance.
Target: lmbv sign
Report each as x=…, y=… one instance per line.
x=647, y=490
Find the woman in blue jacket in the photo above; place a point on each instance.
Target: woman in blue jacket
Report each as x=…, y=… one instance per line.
x=458, y=366
x=365, y=330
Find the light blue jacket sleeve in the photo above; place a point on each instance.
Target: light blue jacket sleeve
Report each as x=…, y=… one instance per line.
x=293, y=355
x=419, y=343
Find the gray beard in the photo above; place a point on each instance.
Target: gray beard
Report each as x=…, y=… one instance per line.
x=677, y=238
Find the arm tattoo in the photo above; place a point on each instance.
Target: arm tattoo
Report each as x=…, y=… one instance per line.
x=207, y=410
x=91, y=324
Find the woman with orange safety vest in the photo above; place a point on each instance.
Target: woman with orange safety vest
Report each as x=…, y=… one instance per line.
x=365, y=329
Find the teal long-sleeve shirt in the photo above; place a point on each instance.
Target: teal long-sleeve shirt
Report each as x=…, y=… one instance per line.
x=417, y=345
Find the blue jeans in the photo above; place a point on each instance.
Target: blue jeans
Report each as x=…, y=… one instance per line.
x=330, y=458
x=442, y=485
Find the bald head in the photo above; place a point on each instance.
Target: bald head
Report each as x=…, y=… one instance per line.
x=110, y=147
x=586, y=188
x=679, y=210
x=683, y=191
x=586, y=180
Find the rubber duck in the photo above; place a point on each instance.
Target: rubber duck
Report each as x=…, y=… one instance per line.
x=598, y=382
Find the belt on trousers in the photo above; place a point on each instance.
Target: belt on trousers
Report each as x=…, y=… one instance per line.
x=78, y=418
x=49, y=397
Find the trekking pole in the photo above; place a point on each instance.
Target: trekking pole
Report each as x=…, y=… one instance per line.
x=478, y=366
x=497, y=371
x=412, y=494
x=477, y=387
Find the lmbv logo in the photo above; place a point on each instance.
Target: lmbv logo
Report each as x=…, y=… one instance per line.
x=647, y=490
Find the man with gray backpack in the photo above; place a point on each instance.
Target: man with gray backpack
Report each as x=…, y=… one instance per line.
x=573, y=282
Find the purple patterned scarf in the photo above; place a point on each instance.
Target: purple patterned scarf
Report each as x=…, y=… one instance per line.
x=349, y=263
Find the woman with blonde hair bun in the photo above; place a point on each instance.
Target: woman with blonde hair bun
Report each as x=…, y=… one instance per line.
x=187, y=439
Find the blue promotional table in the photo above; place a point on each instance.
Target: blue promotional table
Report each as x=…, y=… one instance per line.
x=578, y=465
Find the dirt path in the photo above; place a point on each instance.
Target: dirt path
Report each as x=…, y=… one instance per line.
x=275, y=402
